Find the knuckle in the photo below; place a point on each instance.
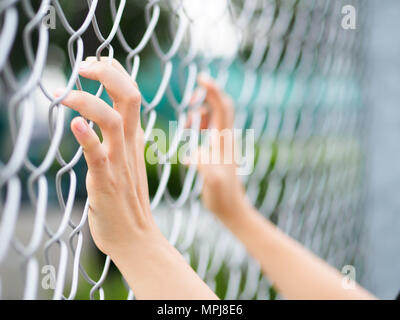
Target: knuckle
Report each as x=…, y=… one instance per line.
x=99, y=161
x=114, y=121
x=213, y=89
x=133, y=96
x=213, y=86
x=113, y=183
x=116, y=64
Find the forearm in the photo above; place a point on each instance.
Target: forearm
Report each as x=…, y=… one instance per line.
x=295, y=271
x=156, y=270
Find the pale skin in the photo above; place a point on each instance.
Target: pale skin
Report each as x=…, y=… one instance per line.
x=120, y=219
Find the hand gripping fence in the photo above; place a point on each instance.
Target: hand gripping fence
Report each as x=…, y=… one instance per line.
x=296, y=78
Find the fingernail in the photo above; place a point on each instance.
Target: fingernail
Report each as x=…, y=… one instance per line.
x=80, y=125
x=85, y=65
x=91, y=59
x=203, y=76
x=58, y=92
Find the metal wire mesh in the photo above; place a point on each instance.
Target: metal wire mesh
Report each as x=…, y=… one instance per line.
x=296, y=77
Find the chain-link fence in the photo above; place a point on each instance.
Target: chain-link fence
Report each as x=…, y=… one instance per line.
x=296, y=78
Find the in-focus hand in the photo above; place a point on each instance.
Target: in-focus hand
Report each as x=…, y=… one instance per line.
x=119, y=213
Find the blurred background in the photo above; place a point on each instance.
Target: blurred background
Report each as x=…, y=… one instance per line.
x=383, y=257
x=355, y=131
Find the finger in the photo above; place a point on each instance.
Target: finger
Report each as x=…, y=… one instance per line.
x=93, y=150
x=95, y=109
x=140, y=170
x=222, y=145
x=188, y=123
x=115, y=63
x=119, y=86
x=221, y=107
x=197, y=96
x=202, y=160
x=197, y=158
x=193, y=103
x=204, y=117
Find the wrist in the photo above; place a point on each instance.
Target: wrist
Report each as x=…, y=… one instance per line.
x=239, y=214
x=138, y=257
x=144, y=241
x=156, y=270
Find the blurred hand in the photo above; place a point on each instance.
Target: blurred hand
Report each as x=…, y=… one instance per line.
x=119, y=208
x=223, y=192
